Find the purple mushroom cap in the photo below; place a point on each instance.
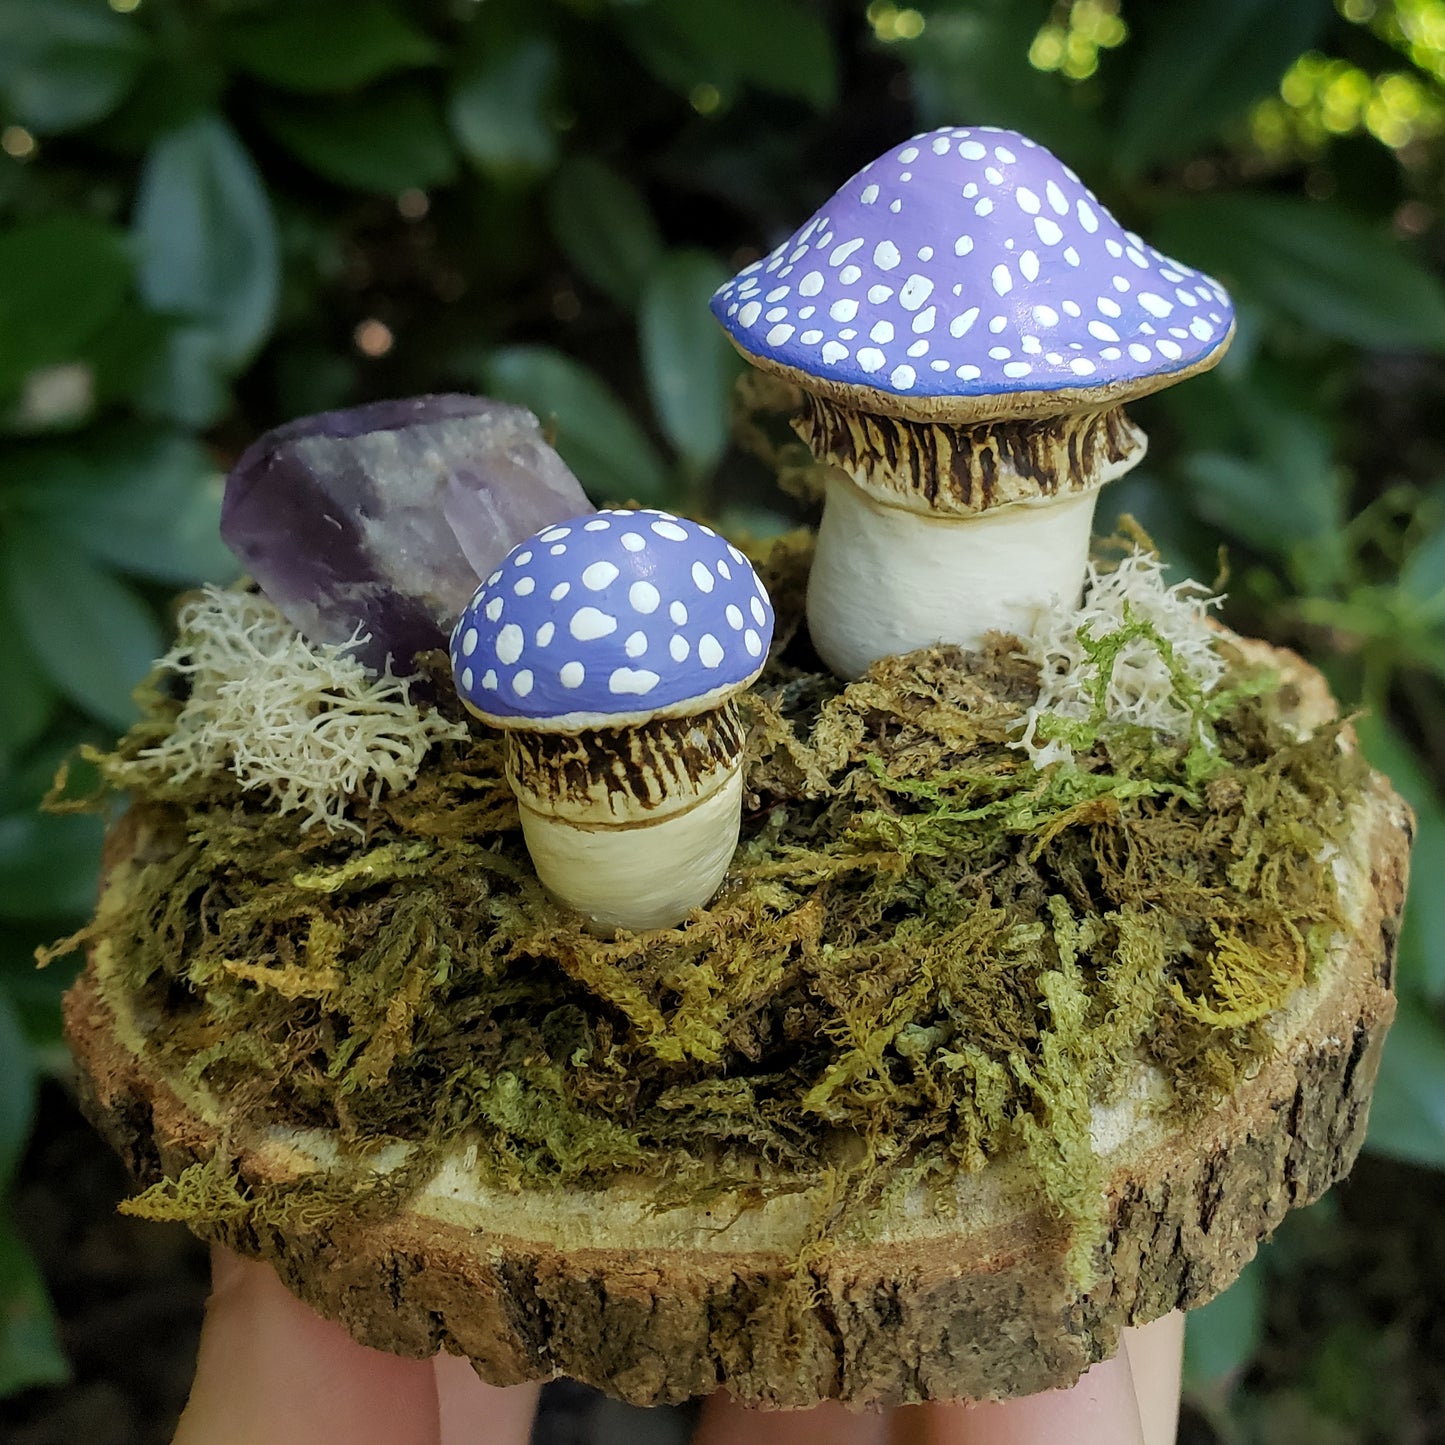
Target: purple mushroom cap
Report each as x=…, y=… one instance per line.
x=609, y=619
x=970, y=262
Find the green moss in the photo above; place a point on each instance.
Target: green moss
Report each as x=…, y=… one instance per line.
x=925, y=946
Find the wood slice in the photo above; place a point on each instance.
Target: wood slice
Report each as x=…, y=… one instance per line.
x=961, y=1296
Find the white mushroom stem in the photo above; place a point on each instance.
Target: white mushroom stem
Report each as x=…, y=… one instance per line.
x=641, y=875
x=887, y=580
x=633, y=826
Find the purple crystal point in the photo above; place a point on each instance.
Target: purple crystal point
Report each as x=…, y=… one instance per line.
x=384, y=516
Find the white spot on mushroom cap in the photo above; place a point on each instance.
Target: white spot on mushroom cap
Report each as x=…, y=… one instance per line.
x=590, y=623
x=636, y=681
x=571, y=674
x=598, y=575
x=509, y=643
x=643, y=597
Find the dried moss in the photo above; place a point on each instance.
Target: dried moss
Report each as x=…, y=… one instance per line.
x=928, y=953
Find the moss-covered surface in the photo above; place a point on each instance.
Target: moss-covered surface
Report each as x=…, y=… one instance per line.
x=926, y=955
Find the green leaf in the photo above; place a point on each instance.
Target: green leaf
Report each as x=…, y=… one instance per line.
x=183, y=379
x=93, y=635
x=30, y=1351
x=17, y=1090
x=604, y=227
x=61, y=280
x=1421, y=958
x=777, y=45
x=328, y=47
x=595, y=435
x=499, y=109
x=206, y=238
x=1407, y=1114
x=27, y=699
x=972, y=62
x=145, y=501
x=687, y=361
x=1198, y=65
x=65, y=63
x=1222, y=1337
x=1422, y=578
x=388, y=141
x=1327, y=269
x=48, y=865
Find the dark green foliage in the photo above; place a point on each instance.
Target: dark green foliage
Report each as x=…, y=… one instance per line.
x=218, y=214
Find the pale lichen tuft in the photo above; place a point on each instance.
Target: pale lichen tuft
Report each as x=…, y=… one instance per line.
x=1138, y=651
x=307, y=722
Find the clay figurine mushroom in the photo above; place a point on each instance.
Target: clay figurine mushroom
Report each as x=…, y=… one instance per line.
x=965, y=320
x=611, y=649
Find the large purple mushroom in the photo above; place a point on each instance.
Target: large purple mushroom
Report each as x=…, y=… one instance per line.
x=965, y=320
x=611, y=647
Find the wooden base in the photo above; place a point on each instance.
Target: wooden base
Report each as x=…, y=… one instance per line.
x=971, y=1299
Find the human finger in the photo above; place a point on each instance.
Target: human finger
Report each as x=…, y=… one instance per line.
x=1156, y=1360
x=270, y=1371
x=472, y=1412
x=725, y=1422
x=1101, y=1409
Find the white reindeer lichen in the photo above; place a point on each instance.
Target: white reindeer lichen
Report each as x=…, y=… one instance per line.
x=1155, y=642
x=306, y=721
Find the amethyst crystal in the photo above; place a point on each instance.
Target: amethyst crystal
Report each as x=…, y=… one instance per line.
x=384, y=516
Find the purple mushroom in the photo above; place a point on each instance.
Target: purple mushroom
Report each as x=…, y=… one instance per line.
x=611, y=648
x=965, y=320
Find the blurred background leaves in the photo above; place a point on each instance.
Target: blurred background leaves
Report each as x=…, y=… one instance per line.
x=219, y=214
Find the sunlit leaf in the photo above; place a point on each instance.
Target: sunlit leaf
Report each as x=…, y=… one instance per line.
x=95, y=638
x=595, y=434
x=602, y=223
x=61, y=280
x=971, y=63
x=500, y=109
x=388, y=141
x=206, y=238
x=65, y=63
x=1199, y=63
x=777, y=45
x=331, y=46
x=1329, y=270
x=687, y=361
x=1407, y=1114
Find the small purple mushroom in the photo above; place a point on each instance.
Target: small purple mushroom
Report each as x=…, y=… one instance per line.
x=965, y=320
x=611, y=648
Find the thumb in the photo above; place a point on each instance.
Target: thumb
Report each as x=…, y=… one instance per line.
x=270, y=1371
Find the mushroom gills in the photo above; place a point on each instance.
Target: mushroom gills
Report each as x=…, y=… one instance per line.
x=650, y=873
x=887, y=580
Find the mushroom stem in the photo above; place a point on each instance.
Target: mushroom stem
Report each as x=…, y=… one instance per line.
x=886, y=580
x=937, y=532
x=633, y=826
x=650, y=874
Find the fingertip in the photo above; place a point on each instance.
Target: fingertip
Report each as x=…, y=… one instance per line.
x=1100, y=1409
x=270, y=1371
x=472, y=1412
x=1156, y=1359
